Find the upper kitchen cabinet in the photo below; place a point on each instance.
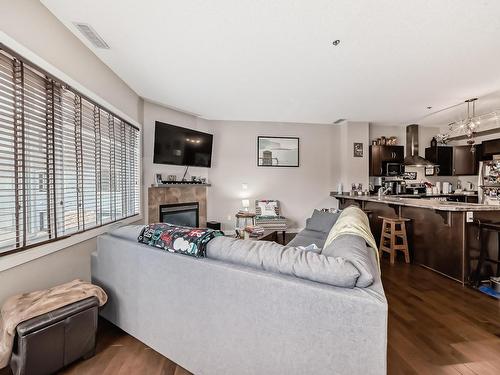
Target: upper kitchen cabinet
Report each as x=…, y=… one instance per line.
x=392, y=154
x=490, y=148
x=381, y=155
x=443, y=157
x=464, y=161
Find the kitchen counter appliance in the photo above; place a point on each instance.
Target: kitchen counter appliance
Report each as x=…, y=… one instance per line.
x=394, y=169
x=415, y=188
x=393, y=184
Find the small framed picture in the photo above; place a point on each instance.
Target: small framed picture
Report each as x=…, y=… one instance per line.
x=358, y=150
x=429, y=171
x=158, y=178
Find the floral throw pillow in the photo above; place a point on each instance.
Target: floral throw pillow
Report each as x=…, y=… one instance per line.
x=178, y=239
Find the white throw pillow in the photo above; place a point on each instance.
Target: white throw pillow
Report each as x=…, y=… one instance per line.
x=267, y=208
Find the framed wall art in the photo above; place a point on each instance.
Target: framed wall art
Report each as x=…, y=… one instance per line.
x=277, y=151
x=358, y=150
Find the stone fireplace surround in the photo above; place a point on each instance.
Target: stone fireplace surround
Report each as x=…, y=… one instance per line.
x=177, y=194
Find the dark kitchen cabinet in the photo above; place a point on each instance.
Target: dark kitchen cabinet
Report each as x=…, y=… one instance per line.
x=443, y=157
x=490, y=148
x=464, y=161
x=379, y=156
x=375, y=161
x=393, y=154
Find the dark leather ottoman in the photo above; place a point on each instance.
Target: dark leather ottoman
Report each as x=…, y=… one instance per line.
x=47, y=343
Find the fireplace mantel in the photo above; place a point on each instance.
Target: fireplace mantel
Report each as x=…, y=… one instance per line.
x=177, y=193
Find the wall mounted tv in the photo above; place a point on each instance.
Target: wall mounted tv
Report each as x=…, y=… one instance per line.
x=181, y=146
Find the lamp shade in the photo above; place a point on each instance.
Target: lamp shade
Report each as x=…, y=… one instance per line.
x=245, y=203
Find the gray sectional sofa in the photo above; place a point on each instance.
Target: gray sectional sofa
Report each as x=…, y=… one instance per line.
x=247, y=315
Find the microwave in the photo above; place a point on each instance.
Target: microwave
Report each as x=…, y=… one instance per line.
x=394, y=169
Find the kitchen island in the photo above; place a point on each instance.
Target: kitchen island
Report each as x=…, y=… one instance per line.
x=443, y=235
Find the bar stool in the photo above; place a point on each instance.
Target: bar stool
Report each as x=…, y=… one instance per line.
x=483, y=254
x=368, y=213
x=389, y=235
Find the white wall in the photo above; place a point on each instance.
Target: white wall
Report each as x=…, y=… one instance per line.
x=354, y=169
x=33, y=26
x=299, y=190
x=56, y=268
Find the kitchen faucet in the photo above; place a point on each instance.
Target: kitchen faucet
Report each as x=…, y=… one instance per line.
x=382, y=191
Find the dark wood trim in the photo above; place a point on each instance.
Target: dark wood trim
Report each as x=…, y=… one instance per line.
x=27, y=247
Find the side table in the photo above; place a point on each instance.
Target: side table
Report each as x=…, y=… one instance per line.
x=244, y=217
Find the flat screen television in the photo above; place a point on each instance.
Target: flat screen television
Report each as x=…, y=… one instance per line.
x=182, y=146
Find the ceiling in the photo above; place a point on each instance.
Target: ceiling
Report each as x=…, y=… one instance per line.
x=260, y=60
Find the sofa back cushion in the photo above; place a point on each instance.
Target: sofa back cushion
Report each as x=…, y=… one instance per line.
x=307, y=237
x=322, y=221
x=354, y=249
x=273, y=257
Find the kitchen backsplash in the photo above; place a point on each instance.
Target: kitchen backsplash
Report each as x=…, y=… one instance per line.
x=421, y=177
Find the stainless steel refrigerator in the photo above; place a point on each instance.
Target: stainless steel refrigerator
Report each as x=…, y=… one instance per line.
x=489, y=181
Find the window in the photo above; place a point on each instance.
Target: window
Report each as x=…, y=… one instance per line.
x=66, y=164
x=42, y=182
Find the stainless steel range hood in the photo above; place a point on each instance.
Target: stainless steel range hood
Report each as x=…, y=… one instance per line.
x=412, y=158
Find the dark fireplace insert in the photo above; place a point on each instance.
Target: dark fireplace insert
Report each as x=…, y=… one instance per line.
x=185, y=214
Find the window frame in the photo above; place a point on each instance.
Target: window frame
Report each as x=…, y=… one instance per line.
x=86, y=233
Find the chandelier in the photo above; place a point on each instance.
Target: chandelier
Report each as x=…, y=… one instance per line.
x=467, y=127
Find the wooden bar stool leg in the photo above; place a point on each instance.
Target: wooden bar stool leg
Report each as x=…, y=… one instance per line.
x=393, y=242
x=498, y=254
x=405, y=243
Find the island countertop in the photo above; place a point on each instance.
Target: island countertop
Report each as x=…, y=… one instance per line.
x=432, y=204
x=443, y=236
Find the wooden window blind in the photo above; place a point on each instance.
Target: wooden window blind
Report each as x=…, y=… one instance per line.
x=66, y=163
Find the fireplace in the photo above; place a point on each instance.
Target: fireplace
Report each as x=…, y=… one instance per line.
x=185, y=214
x=175, y=194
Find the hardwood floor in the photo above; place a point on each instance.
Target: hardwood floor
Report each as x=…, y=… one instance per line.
x=118, y=353
x=436, y=326
x=121, y=354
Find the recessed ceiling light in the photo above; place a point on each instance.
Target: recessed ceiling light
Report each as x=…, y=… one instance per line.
x=336, y=42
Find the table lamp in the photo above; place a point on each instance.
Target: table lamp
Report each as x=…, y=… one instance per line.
x=245, y=203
